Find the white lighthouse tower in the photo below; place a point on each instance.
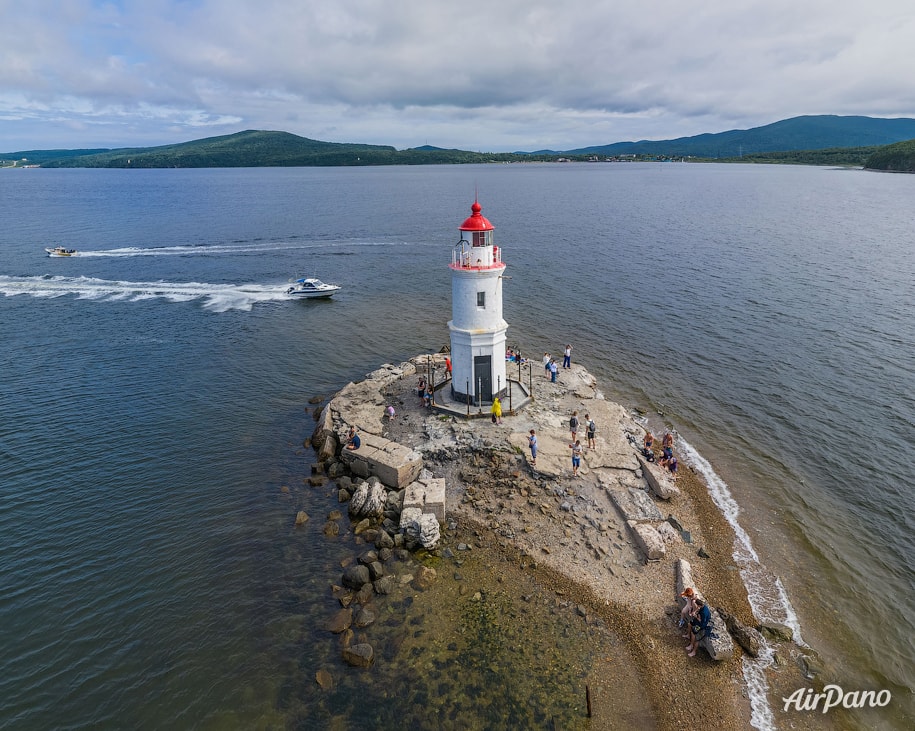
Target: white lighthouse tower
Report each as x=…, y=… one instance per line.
x=477, y=328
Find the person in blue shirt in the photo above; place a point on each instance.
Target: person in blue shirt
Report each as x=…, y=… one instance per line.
x=699, y=626
x=354, y=442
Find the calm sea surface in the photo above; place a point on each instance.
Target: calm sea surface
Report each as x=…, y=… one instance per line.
x=154, y=395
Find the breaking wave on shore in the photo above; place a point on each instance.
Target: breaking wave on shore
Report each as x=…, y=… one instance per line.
x=765, y=591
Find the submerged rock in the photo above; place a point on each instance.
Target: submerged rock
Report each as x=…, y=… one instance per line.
x=361, y=655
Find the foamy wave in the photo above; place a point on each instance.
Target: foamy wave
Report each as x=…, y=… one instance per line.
x=765, y=591
x=754, y=673
x=216, y=297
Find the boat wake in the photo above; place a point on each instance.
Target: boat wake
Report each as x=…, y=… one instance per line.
x=215, y=297
x=337, y=247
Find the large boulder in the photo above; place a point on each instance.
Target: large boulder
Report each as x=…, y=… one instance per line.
x=356, y=576
x=718, y=643
x=648, y=540
x=747, y=637
x=368, y=500
x=659, y=480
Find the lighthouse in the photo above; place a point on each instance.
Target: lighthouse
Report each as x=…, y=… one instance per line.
x=477, y=328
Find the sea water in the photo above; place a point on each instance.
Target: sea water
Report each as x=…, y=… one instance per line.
x=155, y=392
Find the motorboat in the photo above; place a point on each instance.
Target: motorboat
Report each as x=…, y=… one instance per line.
x=311, y=288
x=61, y=251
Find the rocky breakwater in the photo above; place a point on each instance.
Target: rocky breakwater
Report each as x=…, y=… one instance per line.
x=394, y=507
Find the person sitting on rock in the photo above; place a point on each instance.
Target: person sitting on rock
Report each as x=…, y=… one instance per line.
x=699, y=626
x=390, y=412
x=689, y=608
x=353, y=441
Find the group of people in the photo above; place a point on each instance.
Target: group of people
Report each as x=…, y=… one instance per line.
x=696, y=617
x=549, y=363
x=575, y=446
x=667, y=460
x=514, y=356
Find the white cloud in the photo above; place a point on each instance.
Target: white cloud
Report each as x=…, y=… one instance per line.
x=507, y=75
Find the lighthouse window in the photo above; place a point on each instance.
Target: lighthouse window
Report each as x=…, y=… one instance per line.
x=481, y=300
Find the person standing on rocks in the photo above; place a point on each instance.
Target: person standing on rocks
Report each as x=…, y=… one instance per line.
x=421, y=390
x=567, y=357
x=532, y=443
x=573, y=425
x=668, y=441
x=546, y=363
x=554, y=369
x=592, y=432
x=576, y=457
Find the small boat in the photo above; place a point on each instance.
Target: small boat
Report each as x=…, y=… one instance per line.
x=311, y=288
x=61, y=251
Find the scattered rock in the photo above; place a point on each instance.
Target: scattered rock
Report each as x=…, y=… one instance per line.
x=324, y=679
x=424, y=578
x=776, y=631
x=341, y=621
x=361, y=655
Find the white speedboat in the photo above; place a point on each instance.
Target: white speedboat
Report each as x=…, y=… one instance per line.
x=311, y=288
x=61, y=251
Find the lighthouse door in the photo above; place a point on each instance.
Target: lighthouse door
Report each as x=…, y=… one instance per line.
x=482, y=377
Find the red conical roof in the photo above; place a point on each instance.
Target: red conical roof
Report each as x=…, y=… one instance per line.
x=477, y=221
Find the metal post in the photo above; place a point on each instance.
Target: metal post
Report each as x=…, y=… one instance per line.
x=480, y=395
x=468, y=398
x=510, y=409
x=530, y=379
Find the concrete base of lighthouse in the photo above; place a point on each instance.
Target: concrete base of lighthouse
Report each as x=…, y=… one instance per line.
x=478, y=365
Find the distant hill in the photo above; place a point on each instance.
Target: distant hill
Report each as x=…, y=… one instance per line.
x=263, y=149
x=798, y=133
x=242, y=149
x=897, y=158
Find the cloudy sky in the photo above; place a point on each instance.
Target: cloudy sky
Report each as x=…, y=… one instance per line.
x=492, y=76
